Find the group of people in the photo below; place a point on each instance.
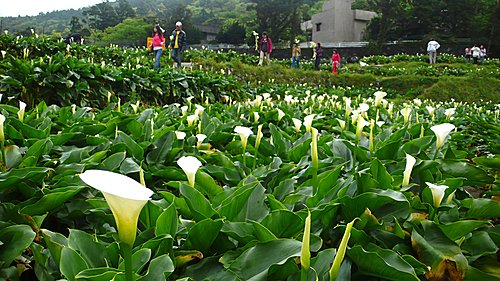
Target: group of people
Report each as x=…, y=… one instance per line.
x=265, y=47
x=476, y=53
x=177, y=43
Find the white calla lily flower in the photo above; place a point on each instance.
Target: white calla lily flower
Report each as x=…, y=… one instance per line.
x=2, y=135
x=190, y=165
x=438, y=192
x=180, y=135
x=406, y=114
x=308, y=121
x=256, y=117
x=20, y=112
x=125, y=197
x=281, y=114
x=201, y=137
x=341, y=123
x=410, y=162
x=297, y=124
x=379, y=96
x=184, y=110
x=244, y=133
x=442, y=131
x=449, y=112
x=191, y=119
x=359, y=127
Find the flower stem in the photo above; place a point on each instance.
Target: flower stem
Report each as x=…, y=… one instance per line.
x=303, y=274
x=127, y=257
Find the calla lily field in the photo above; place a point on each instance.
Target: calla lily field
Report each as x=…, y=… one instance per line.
x=111, y=170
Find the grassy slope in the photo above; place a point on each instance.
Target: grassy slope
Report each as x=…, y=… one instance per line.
x=472, y=87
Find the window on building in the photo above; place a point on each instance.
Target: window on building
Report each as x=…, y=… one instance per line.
x=318, y=27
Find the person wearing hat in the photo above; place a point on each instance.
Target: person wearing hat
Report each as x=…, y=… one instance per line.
x=177, y=43
x=296, y=54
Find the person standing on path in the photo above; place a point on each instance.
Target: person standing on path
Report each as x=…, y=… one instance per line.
x=468, y=54
x=432, y=48
x=296, y=54
x=476, y=53
x=482, y=55
x=266, y=48
x=157, y=44
x=335, y=62
x=319, y=55
x=177, y=43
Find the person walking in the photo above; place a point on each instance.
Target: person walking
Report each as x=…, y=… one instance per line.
x=177, y=43
x=482, y=55
x=157, y=44
x=319, y=55
x=335, y=62
x=432, y=48
x=296, y=54
x=266, y=48
x=476, y=53
x=468, y=54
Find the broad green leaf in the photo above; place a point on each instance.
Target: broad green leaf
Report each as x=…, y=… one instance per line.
x=51, y=201
x=167, y=222
x=15, y=239
x=283, y=223
x=11, y=178
x=200, y=207
x=255, y=262
x=380, y=173
x=139, y=259
x=473, y=175
x=114, y=161
x=210, y=269
x=436, y=250
x=101, y=274
x=159, y=268
x=481, y=208
x=203, y=234
x=474, y=274
x=382, y=203
x=71, y=263
x=207, y=184
x=383, y=263
x=133, y=148
x=93, y=252
x=36, y=151
x=162, y=148
x=459, y=229
x=480, y=244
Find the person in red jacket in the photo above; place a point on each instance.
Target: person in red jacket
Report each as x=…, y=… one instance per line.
x=157, y=44
x=265, y=47
x=335, y=62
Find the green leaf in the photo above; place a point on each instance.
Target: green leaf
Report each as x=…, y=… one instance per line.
x=439, y=252
x=383, y=263
x=35, y=151
x=101, y=274
x=203, y=234
x=473, y=175
x=71, y=263
x=15, y=239
x=493, y=163
x=283, y=223
x=162, y=148
x=51, y=201
x=459, y=229
x=481, y=208
x=383, y=204
x=279, y=141
x=379, y=173
x=93, y=252
x=199, y=205
x=159, y=269
x=480, y=244
x=210, y=269
x=207, y=184
x=133, y=148
x=255, y=262
x=114, y=161
x=167, y=222
x=139, y=259
x=13, y=177
x=474, y=274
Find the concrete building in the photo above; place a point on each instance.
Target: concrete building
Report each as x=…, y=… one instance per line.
x=338, y=23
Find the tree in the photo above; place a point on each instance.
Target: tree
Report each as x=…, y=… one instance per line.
x=233, y=33
x=125, y=10
x=102, y=15
x=391, y=15
x=279, y=18
x=130, y=32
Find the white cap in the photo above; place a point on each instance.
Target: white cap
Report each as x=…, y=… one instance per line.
x=178, y=23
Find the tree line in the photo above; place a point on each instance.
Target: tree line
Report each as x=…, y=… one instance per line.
x=127, y=22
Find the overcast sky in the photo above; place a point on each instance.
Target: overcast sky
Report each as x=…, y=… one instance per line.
x=34, y=7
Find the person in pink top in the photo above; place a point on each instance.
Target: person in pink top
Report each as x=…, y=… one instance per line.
x=157, y=44
x=266, y=48
x=335, y=62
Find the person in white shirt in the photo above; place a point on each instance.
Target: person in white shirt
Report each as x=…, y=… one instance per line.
x=476, y=53
x=432, y=48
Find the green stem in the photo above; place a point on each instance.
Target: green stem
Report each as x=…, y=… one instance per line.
x=127, y=257
x=315, y=180
x=4, y=158
x=244, y=158
x=255, y=159
x=303, y=274
x=435, y=154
